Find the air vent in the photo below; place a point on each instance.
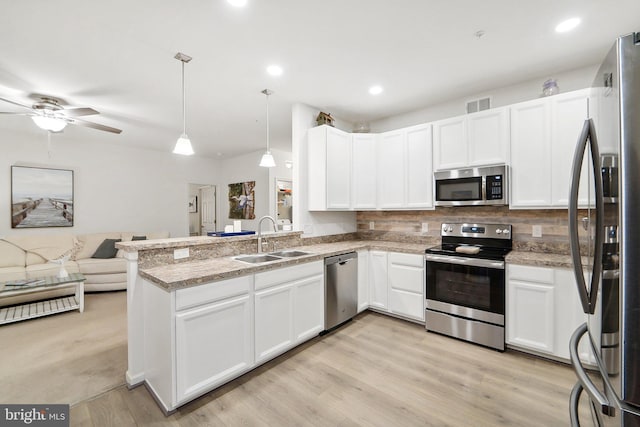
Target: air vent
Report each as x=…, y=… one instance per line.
x=478, y=105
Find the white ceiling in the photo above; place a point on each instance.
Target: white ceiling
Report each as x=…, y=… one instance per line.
x=117, y=57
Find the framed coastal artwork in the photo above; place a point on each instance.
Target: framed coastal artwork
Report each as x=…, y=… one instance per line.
x=41, y=197
x=242, y=200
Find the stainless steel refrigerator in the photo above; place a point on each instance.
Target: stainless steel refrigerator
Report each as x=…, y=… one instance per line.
x=605, y=244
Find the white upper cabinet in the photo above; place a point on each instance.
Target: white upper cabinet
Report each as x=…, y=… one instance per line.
x=405, y=175
x=477, y=139
x=450, y=143
x=531, y=154
x=568, y=113
x=488, y=137
x=329, y=168
x=391, y=165
x=544, y=133
x=419, y=170
x=363, y=168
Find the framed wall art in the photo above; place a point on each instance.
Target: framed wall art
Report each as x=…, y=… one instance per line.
x=193, y=204
x=242, y=200
x=41, y=197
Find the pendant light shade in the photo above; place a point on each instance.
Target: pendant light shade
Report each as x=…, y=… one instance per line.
x=183, y=145
x=267, y=158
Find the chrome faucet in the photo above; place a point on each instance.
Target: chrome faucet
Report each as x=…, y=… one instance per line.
x=275, y=228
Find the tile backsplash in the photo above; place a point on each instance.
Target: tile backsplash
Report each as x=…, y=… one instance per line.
x=408, y=225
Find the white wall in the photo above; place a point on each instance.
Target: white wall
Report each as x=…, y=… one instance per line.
x=303, y=117
x=115, y=188
x=567, y=81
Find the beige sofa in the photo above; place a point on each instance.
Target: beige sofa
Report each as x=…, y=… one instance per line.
x=26, y=257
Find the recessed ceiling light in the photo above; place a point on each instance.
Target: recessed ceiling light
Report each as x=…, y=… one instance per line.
x=237, y=3
x=375, y=90
x=274, y=70
x=567, y=25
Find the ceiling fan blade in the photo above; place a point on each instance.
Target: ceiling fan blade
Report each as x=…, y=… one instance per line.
x=94, y=125
x=77, y=112
x=9, y=113
x=15, y=103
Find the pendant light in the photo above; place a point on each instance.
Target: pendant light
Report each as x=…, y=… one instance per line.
x=183, y=145
x=267, y=159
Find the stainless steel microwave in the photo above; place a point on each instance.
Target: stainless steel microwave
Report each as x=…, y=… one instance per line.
x=473, y=186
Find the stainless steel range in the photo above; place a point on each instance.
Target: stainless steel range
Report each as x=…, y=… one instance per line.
x=465, y=295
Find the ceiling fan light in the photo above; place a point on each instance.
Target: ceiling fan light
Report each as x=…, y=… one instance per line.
x=183, y=146
x=267, y=160
x=49, y=123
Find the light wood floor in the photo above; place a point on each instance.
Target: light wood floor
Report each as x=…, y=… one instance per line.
x=375, y=371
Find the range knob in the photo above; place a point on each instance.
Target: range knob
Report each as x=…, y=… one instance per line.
x=444, y=228
x=498, y=231
x=505, y=231
x=450, y=229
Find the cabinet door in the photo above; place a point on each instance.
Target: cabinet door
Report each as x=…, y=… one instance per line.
x=568, y=113
x=530, y=155
x=488, y=137
x=363, y=280
x=391, y=177
x=338, y=169
x=363, y=171
x=273, y=321
x=530, y=308
x=308, y=308
x=378, y=280
x=569, y=316
x=450, y=144
x=406, y=277
x=419, y=171
x=213, y=344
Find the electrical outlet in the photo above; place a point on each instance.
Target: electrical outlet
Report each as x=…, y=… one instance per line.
x=536, y=231
x=425, y=227
x=372, y=225
x=181, y=253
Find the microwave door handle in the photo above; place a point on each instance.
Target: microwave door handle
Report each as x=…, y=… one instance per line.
x=587, y=295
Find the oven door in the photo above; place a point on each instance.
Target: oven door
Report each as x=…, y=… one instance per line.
x=466, y=287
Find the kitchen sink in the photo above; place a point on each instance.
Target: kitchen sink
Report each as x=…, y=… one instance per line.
x=289, y=254
x=258, y=258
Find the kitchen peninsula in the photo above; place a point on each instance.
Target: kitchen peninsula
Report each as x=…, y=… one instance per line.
x=197, y=322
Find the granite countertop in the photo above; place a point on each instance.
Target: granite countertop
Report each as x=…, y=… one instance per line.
x=191, y=273
x=541, y=259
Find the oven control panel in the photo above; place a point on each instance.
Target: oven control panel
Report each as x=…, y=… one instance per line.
x=494, y=231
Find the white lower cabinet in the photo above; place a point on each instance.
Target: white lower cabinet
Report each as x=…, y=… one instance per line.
x=543, y=310
x=198, y=338
x=406, y=285
x=289, y=308
x=363, y=280
x=274, y=321
x=213, y=344
x=378, y=293
x=396, y=284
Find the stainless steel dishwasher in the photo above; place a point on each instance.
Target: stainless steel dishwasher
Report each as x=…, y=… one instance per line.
x=340, y=289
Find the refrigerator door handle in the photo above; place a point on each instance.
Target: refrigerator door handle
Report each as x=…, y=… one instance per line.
x=588, y=295
x=584, y=381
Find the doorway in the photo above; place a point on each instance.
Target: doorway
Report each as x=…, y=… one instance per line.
x=202, y=209
x=284, y=206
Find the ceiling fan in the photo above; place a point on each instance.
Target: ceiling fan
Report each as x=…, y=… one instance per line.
x=48, y=114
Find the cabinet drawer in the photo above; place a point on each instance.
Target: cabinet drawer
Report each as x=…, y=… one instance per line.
x=288, y=274
x=406, y=304
x=411, y=260
x=197, y=295
x=530, y=274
